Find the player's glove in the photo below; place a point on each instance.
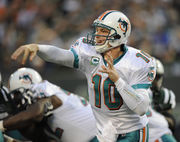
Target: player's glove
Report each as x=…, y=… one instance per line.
x=163, y=100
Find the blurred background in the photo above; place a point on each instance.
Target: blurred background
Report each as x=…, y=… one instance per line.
x=155, y=29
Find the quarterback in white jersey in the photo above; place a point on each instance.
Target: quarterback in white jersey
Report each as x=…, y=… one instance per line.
x=73, y=120
x=107, y=104
x=118, y=76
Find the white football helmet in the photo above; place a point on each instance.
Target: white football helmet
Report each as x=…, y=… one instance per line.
x=24, y=78
x=118, y=25
x=159, y=67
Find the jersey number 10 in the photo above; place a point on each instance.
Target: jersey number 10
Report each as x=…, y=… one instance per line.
x=112, y=98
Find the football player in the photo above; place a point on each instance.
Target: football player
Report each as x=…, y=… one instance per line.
x=118, y=76
x=6, y=109
x=161, y=121
x=70, y=117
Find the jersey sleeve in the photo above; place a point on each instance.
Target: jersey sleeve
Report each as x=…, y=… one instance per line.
x=56, y=55
x=143, y=77
x=47, y=89
x=78, y=51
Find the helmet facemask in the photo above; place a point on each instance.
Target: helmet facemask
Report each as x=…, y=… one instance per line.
x=22, y=98
x=111, y=37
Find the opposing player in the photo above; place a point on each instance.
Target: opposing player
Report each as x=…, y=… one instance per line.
x=118, y=76
x=160, y=117
x=71, y=116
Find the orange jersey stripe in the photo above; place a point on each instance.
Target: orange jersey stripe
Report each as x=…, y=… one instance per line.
x=144, y=134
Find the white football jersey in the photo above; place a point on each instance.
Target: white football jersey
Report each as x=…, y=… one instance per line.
x=135, y=67
x=158, y=125
x=74, y=120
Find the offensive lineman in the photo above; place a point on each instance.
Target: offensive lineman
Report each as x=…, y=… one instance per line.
x=118, y=76
x=72, y=118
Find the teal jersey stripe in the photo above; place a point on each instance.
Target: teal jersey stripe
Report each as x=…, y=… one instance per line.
x=76, y=58
x=141, y=86
x=125, y=49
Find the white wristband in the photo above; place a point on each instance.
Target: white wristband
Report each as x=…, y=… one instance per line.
x=1, y=126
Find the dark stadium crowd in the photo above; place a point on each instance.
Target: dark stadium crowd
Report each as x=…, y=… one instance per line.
x=155, y=25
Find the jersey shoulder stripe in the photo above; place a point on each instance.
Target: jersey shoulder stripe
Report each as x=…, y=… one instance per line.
x=76, y=58
x=79, y=49
x=141, y=86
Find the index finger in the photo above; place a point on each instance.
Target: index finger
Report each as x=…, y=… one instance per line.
x=109, y=60
x=32, y=55
x=26, y=54
x=17, y=53
x=109, y=55
x=110, y=63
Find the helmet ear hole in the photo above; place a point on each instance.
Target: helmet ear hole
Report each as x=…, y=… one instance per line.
x=117, y=36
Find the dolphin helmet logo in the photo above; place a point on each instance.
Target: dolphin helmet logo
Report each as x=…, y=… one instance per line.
x=26, y=78
x=123, y=25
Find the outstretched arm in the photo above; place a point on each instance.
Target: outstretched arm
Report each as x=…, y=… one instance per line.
x=33, y=113
x=47, y=52
x=56, y=55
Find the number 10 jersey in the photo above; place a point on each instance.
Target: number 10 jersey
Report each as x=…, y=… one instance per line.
x=134, y=66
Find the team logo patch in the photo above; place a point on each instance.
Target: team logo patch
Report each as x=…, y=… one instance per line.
x=26, y=78
x=151, y=74
x=94, y=60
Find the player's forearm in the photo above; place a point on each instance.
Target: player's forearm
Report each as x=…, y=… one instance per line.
x=136, y=100
x=56, y=55
x=23, y=118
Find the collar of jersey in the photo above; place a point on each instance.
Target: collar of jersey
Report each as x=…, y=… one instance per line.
x=125, y=49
